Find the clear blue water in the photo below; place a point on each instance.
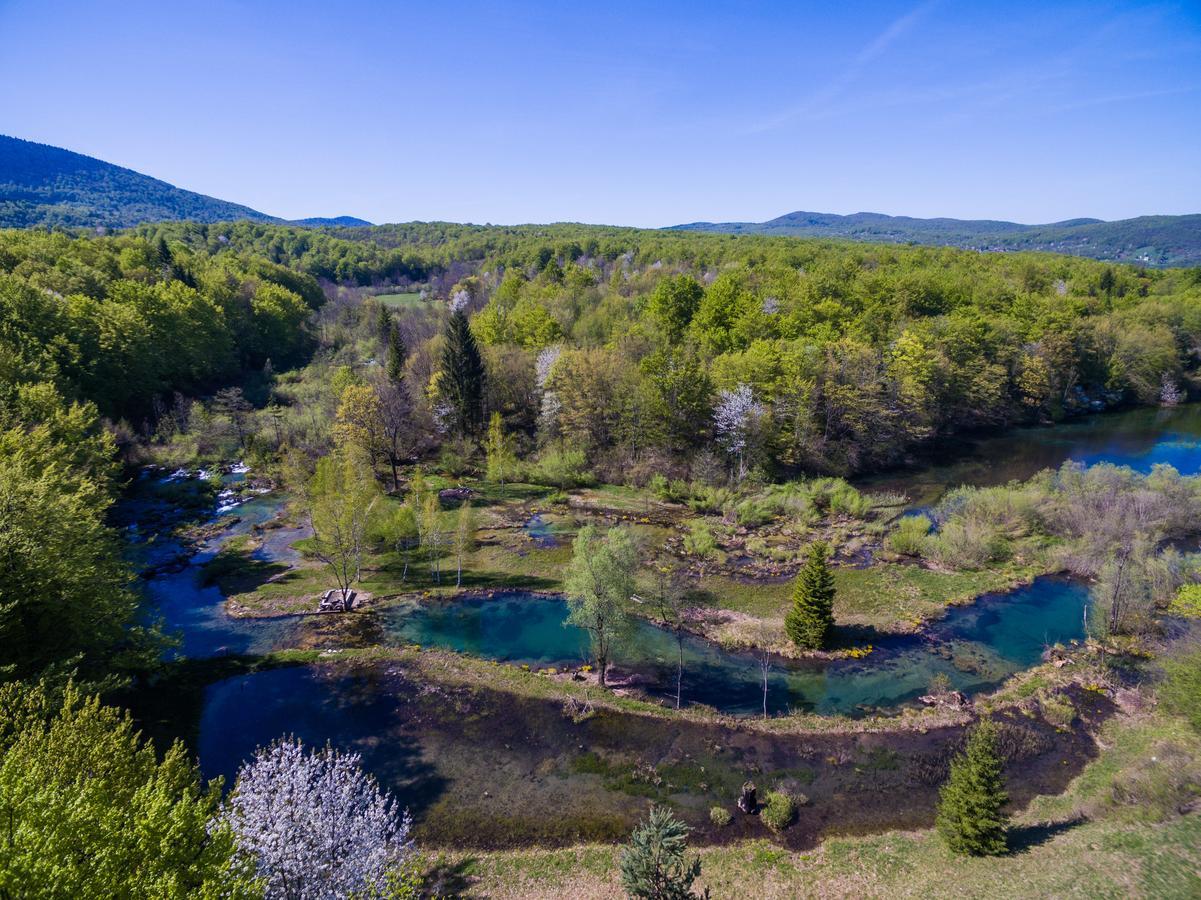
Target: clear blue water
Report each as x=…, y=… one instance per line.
x=189, y=610
x=976, y=647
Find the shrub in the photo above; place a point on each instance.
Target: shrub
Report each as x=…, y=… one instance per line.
x=847, y=501
x=562, y=468
x=909, y=536
x=779, y=810
x=966, y=544
x=720, y=816
x=703, y=498
x=1059, y=711
x=1187, y=602
x=659, y=487
x=699, y=540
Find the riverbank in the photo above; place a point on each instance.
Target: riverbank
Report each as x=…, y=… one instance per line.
x=1115, y=831
x=488, y=756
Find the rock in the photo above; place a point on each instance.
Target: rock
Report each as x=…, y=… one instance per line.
x=747, y=800
x=947, y=699
x=335, y=600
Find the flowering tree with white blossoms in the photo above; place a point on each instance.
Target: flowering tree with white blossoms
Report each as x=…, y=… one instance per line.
x=736, y=419
x=314, y=825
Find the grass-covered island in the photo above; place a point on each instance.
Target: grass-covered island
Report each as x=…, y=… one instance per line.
x=598, y=561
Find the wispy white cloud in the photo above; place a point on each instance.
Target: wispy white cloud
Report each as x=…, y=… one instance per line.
x=833, y=89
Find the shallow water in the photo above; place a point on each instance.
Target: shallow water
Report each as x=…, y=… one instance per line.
x=976, y=647
x=189, y=610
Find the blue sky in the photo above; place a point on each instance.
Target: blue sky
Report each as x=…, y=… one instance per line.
x=640, y=113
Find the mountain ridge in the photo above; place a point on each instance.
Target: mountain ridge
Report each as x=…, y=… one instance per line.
x=43, y=185
x=1146, y=240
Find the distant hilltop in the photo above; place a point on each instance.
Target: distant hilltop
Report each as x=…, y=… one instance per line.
x=1146, y=240
x=44, y=185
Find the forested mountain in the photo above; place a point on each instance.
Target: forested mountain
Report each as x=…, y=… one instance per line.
x=1150, y=240
x=43, y=185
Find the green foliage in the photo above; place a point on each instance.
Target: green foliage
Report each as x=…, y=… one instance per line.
x=341, y=498
x=502, y=460
x=462, y=377
x=561, y=467
x=653, y=864
x=397, y=353
x=970, y=817
x=65, y=600
x=599, y=582
x=1187, y=602
x=779, y=810
x=673, y=303
x=720, y=816
x=810, y=620
x=699, y=540
x=1180, y=691
x=909, y=536
x=89, y=811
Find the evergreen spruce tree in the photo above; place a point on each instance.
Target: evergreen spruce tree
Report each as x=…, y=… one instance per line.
x=462, y=382
x=397, y=353
x=653, y=866
x=969, y=809
x=811, y=619
x=383, y=325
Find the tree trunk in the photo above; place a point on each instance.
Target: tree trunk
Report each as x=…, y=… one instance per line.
x=679, y=666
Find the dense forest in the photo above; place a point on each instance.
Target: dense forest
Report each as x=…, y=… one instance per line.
x=850, y=357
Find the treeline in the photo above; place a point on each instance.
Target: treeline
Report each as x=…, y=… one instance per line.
x=814, y=355
x=121, y=320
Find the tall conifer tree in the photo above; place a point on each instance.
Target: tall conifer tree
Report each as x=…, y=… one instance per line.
x=397, y=353
x=970, y=819
x=462, y=383
x=811, y=618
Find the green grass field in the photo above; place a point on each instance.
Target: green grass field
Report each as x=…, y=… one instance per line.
x=411, y=300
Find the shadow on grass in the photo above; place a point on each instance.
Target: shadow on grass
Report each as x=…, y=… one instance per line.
x=238, y=572
x=448, y=879
x=1026, y=837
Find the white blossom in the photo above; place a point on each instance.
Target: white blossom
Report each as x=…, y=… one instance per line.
x=1170, y=393
x=771, y=305
x=459, y=301
x=547, y=358
x=735, y=419
x=314, y=825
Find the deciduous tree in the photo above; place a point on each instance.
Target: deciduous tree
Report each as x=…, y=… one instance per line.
x=315, y=825
x=599, y=583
